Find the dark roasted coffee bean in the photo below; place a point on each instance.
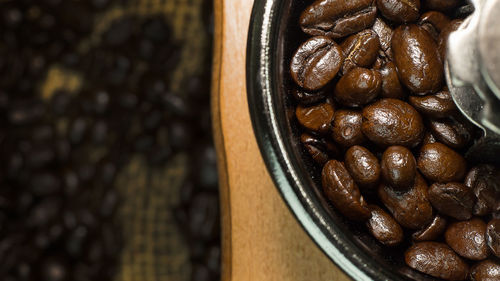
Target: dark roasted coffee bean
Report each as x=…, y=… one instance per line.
x=428, y=139
x=384, y=32
x=316, y=63
x=308, y=98
x=440, y=105
x=441, y=164
x=399, y=11
x=444, y=35
x=321, y=150
x=343, y=192
x=391, y=86
x=432, y=232
x=347, y=128
x=392, y=122
x=442, y=5
x=399, y=167
x=468, y=239
x=411, y=207
x=451, y=132
x=452, y=199
x=434, y=22
x=436, y=259
x=363, y=166
x=360, y=50
x=487, y=270
x=384, y=227
x=493, y=236
x=484, y=180
x=337, y=18
x=316, y=118
x=358, y=87
x=417, y=60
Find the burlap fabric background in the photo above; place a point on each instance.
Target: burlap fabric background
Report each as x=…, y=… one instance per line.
x=154, y=247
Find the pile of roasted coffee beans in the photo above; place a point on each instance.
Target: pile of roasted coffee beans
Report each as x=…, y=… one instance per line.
x=378, y=119
x=60, y=154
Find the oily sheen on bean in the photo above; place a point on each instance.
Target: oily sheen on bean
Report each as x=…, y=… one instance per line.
x=347, y=128
x=360, y=50
x=468, y=239
x=431, y=232
x=384, y=227
x=399, y=167
x=399, y=11
x=452, y=199
x=363, y=166
x=358, y=87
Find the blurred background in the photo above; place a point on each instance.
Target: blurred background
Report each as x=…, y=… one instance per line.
x=107, y=167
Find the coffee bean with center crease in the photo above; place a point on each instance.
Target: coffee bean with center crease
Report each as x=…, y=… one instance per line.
x=358, y=87
x=487, y=270
x=392, y=122
x=452, y=199
x=484, y=180
x=360, y=50
x=436, y=259
x=410, y=208
x=399, y=11
x=440, y=163
x=316, y=62
x=399, y=167
x=452, y=132
x=384, y=227
x=468, y=239
x=432, y=232
x=343, y=192
x=316, y=118
x=347, y=128
x=337, y=18
x=417, y=59
x=493, y=236
x=363, y=166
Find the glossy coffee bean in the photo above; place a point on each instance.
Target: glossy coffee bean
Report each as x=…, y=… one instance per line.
x=487, y=270
x=439, y=105
x=467, y=238
x=431, y=232
x=428, y=139
x=399, y=11
x=384, y=227
x=343, y=192
x=399, y=167
x=392, y=122
x=439, y=163
x=337, y=18
x=391, y=86
x=316, y=118
x=347, y=128
x=410, y=208
x=384, y=32
x=445, y=34
x=434, y=22
x=417, y=59
x=484, y=180
x=307, y=97
x=321, y=150
x=316, y=62
x=493, y=236
x=358, y=87
x=363, y=166
x=452, y=132
x=452, y=199
x=442, y=5
x=436, y=259
x=360, y=50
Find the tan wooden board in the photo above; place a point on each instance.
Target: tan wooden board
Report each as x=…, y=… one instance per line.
x=261, y=238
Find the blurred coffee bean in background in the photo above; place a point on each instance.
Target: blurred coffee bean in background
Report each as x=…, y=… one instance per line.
x=107, y=166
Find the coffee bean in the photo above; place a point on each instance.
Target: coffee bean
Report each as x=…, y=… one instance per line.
x=410, y=208
x=392, y=122
x=363, y=166
x=487, y=270
x=432, y=232
x=316, y=118
x=467, y=238
x=440, y=163
x=445, y=34
x=440, y=105
x=337, y=18
x=360, y=50
x=316, y=63
x=442, y=5
x=452, y=199
x=451, y=132
x=384, y=32
x=343, y=192
x=484, y=181
x=321, y=150
x=433, y=22
x=308, y=98
x=384, y=228
x=436, y=259
x=347, y=128
x=358, y=87
x=399, y=11
x=399, y=167
x=428, y=139
x=417, y=60
x=391, y=86
x=493, y=236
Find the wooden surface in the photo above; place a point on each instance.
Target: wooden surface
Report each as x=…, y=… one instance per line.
x=261, y=239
